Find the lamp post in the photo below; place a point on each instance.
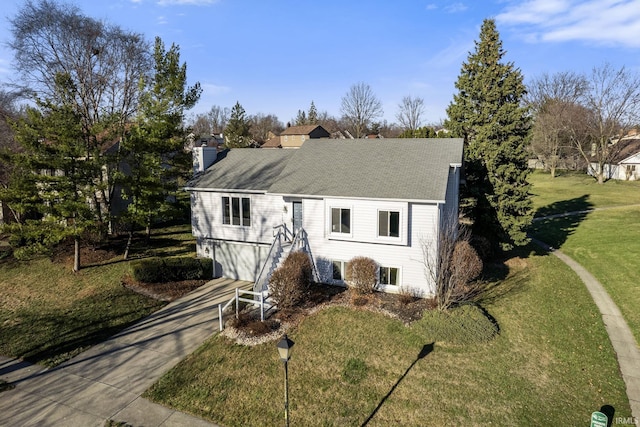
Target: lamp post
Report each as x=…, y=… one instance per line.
x=284, y=350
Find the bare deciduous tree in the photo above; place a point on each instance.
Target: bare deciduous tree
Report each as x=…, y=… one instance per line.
x=262, y=124
x=219, y=117
x=451, y=264
x=554, y=100
x=104, y=62
x=410, y=111
x=359, y=107
x=614, y=102
x=101, y=66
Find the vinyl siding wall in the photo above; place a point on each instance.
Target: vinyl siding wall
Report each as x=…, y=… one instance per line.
x=417, y=223
x=240, y=251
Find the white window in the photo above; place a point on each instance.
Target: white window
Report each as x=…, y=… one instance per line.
x=338, y=270
x=341, y=220
x=388, y=224
x=236, y=211
x=389, y=276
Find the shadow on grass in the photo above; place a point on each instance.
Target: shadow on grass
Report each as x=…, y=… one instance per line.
x=53, y=336
x=554, y=223
x=426, y=349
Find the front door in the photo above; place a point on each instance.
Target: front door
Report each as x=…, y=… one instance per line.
x=297, y=216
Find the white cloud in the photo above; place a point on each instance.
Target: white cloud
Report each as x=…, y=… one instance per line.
x=607, y=22
x=186, y=2
x=454, y=53
x=432, y=6
x=455, y=8
x=161, y=20
x=212, y=89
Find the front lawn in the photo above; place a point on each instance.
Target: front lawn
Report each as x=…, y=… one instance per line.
x=49, y=314
x=551, y=364
x=606, y=242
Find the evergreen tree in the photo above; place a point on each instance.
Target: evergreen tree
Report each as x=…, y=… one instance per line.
x=312, y=117
x=421, y=132
x=237, y=130
x=54, y=176
x=488, y=113
x=301, y=118
x=153, y=146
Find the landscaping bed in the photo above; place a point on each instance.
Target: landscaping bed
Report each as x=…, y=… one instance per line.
x=551, y=364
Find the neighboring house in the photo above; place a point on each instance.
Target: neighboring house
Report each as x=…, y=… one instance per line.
x=625, y=165
x=295, y=136
x=382, y=199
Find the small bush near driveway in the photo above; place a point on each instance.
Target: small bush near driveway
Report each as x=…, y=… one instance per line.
x=289, y=284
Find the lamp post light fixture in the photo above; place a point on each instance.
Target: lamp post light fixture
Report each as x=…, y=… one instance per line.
x=284, y=350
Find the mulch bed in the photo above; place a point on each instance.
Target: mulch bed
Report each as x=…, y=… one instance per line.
x=248, y=330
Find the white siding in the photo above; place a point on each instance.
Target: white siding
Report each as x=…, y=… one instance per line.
x=239, y=252
x=267, y=211
x=420, y=224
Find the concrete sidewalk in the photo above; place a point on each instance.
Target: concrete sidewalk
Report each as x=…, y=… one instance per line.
x=106, y=381
x=620, y=335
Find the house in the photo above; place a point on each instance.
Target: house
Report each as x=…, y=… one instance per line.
x=336, y=199
x=295, y=136
x=625, y=165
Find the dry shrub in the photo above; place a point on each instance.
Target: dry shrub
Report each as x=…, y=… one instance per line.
x=362, y=275
x=406, y=296
x=466, y=265
x=250, y=323
x=289, y=284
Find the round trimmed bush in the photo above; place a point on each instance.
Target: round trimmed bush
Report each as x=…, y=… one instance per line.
x=362, y=275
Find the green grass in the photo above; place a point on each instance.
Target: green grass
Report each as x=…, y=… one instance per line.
x=576, y=191
x=551, y=364
x=49, y=314
x=606, y=243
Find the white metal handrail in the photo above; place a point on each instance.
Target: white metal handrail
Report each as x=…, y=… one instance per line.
x=261, y=300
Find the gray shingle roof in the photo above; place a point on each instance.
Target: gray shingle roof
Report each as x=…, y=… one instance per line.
x=408, y=169
x=248, y=169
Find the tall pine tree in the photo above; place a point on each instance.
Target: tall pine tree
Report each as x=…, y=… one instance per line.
x=153, y=145
x=488, y=113
x=237, y=133
x=54, y=177
x=312, y=117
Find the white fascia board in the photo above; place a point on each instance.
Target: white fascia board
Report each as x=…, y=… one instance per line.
x=316, y=196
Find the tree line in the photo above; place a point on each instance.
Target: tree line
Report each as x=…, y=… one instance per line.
x=102, y=136
x=361, y=113
x=106, y=129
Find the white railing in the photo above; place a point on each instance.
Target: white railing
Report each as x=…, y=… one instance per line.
x=258, y=298
x=281, y=234
x=301, y=243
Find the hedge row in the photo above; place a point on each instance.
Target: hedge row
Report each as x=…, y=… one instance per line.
x=162, y=270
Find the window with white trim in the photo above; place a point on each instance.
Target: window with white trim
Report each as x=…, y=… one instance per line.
x=341, y=220
x=236, y=211
x=388, y=224
x=389, y=276
x=338, y=270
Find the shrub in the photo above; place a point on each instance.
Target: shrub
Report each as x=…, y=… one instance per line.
x=162, y=270
x=289, y=284
x=248, y=322
x=362, y=275
x=406, y=295
x=466, y=265
x=467, y=324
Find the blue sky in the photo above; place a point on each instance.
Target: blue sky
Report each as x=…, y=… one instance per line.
x=277, y=56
